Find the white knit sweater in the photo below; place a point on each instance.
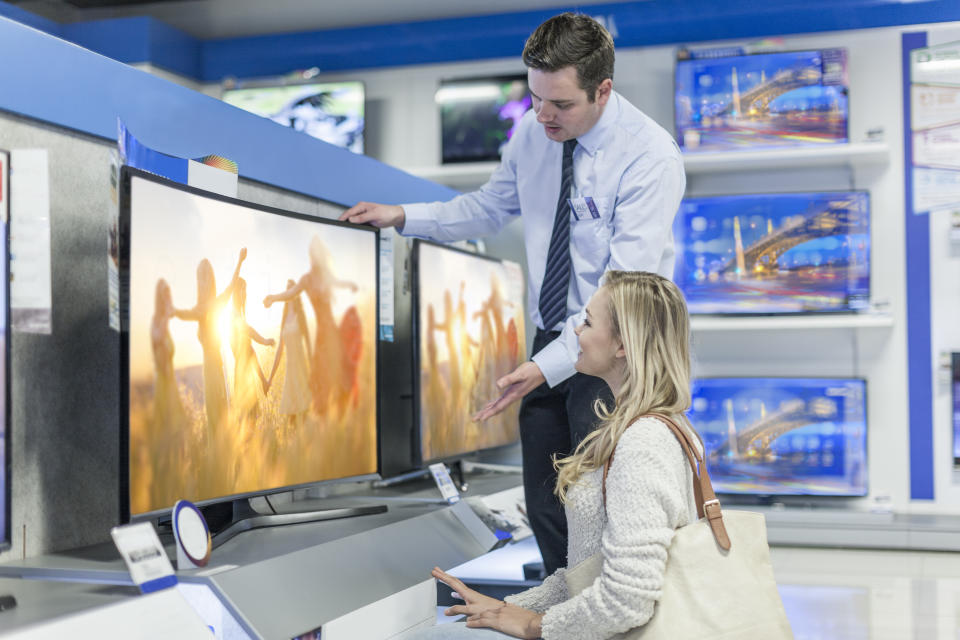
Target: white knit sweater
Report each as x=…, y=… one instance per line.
x=649, y=495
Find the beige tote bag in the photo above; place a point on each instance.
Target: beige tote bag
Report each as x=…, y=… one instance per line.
x=718, y=582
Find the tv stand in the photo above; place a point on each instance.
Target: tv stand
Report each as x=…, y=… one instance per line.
x=229, y=519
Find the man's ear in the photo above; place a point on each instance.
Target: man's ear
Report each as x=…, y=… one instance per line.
x=604, y=89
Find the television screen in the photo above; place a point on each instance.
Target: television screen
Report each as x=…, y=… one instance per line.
x=762, y=100
x=774, y=253
x=330, y=111
x=955, y=386
x=783, y=436
x=478, y=116
x=470, y=332
x=250, y=351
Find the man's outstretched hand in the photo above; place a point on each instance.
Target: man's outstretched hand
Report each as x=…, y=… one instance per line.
x=513, y=386
x=378, y=215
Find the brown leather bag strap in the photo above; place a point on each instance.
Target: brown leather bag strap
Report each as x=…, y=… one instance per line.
x=707, y=504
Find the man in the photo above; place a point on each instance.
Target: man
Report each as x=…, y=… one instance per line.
x=598, y=184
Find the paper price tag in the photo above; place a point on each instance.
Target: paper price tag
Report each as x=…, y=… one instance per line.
x=145, y=557
x=442, y=477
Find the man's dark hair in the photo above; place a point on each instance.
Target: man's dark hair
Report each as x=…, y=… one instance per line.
x=572, y=40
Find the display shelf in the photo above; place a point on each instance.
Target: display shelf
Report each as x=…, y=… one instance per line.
x=474, y=174
x=792, y=322
x=465, y=175
x=852, y=154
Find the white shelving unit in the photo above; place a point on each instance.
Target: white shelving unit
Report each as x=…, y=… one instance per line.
x=875, y=320
x=471, y=175
x=852, y=154
x=465, y=176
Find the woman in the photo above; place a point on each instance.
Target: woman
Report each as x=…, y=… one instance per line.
x=635, y=337
x=247, y=372
x=319, y=284
x=209, y=304
x=295, y=338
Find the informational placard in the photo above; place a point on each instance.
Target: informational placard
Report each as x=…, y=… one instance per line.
x=144, y=556
x=935, y=127
x=30, y=298
x=444, y=483
x=386, y=284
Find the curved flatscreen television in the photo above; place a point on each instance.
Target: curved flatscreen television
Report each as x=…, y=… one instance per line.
x=469, y=331
x=783, y=436
x=774, y=253
x=249, y=347
x=479, y=115
x=329, y=111
x=761, y=100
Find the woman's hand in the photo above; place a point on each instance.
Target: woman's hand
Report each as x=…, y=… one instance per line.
x=510, y=619
x=475, y=601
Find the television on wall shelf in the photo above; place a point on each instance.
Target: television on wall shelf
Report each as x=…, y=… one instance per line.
x=330, y=111
x=783, y=436
x=761, y=100
x=248, y=350
x=469, y=331
x=774, y=253
x=479, y=115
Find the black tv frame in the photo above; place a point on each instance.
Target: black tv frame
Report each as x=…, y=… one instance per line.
x=419, y=460
x=283, y=82
x=763, y=498
x=242, y=517
x=830, y=312
x=492, y=79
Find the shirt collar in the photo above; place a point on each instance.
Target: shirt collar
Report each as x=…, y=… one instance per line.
x=594, y=139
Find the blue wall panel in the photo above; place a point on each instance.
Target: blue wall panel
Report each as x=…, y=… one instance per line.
x=75, y=88
x=636, y=24
x=919, y=341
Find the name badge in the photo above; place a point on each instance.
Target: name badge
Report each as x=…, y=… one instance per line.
x=583, y=207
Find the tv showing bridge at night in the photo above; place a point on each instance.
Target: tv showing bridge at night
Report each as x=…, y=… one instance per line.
x=774, y=253
x=783, y=436
x=762, y=100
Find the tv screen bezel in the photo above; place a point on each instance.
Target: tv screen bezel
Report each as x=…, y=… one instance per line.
x=763, y=495
x=679, y=251
x=491, y=79
x=127, y=174
x=419, y=459
x=678, y=137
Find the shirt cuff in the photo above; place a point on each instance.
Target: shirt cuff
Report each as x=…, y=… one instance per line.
x=417, y=221
x=555, y=362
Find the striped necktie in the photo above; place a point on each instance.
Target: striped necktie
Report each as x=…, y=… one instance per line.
x=556, y=277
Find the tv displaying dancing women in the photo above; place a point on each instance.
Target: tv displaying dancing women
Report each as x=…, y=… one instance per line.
x=252, y=347
x=470, y=332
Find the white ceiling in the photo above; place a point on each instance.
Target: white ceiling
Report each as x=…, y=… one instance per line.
x=208, y=19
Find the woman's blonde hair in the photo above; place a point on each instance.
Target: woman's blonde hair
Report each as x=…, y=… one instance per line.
x=649, y=318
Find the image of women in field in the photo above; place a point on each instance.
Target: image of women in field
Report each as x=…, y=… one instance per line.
x=477, y=341
x=204, y=421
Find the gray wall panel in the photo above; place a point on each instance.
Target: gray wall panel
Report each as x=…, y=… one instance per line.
x=65, y=386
